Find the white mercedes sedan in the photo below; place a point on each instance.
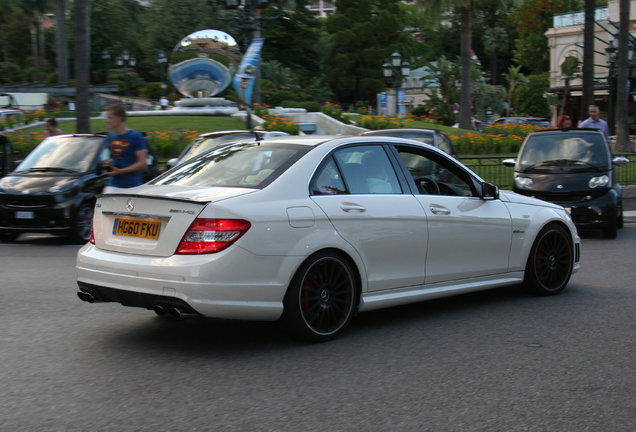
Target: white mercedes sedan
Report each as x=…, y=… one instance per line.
x=311, y=230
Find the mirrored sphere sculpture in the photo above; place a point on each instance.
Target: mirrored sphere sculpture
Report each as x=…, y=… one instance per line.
x=203, y=63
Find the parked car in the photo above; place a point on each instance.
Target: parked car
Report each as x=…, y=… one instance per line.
x=210, y=140
x=311, y=230
x=575, y=169
x=534, y=121
x=6, y=156
x=53, y=190
x=434, y=137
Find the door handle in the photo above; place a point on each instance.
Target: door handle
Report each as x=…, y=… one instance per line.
x=352, y=208
x=439, y=210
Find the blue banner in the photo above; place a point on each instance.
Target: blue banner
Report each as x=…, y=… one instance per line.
x=245, y=77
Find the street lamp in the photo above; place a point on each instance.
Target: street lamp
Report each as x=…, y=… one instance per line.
x=611, y=53
x=395, y=71
x=162, y=60
x=126, y=60
x=106, y=57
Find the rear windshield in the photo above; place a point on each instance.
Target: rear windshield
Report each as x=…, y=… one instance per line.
x=240, y=165
x=62, y=153
x=203, y=144
x=577, y=153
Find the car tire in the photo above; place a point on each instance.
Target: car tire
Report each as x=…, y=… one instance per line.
x=619, y=219
x=83, y=223
x=549, y=265
x=321, y=299
x=9, y=237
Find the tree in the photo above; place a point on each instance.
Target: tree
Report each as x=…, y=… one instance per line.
x=82, y=64
x=466, y=9
x=495, y=39
x=62, y=42
x=530, y=96
x=364, y=33
x=588, y=56
x=514, y=78
x=532, y=19
x=622, y=133
x=569, y=70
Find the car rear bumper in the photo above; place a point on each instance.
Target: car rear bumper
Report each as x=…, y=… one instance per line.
x=232, y=284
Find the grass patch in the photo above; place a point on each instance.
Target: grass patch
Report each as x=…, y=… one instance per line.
x=198, y=124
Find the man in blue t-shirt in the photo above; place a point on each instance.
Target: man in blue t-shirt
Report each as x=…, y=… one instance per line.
x=128, y=151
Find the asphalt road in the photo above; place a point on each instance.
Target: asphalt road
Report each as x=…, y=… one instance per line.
x=491, y=361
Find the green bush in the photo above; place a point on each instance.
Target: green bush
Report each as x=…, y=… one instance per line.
x=278, y=98
x=308, y=105
x=420, y=111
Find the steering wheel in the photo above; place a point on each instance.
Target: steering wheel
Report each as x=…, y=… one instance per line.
x=427, y=185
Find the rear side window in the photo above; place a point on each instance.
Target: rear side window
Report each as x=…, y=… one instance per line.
x=357, y=170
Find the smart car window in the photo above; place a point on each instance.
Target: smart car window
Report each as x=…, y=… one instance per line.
x=545, y=153
x=62, y=154
x=367, y=170
x=241, y=165
x=328, y=180
x=434, y=175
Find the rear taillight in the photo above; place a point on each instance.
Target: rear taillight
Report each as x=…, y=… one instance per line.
x=92, y=239
x=211, y=235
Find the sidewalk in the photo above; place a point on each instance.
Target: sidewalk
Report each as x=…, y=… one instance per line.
x=629, y=203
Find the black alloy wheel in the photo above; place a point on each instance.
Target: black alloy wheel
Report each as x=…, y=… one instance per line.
x=322, y=298
x=550, y=262
x=83, y=223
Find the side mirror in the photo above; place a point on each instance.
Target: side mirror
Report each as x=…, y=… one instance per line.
x=620, y=161
x=509, y=162
x=489, y=191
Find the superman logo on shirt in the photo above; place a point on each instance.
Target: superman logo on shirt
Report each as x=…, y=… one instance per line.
x=117, y=147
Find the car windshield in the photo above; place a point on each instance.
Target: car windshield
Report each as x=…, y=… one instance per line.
x=241, y=165
x=62, y=154
x=544, y=153
x=203, y=144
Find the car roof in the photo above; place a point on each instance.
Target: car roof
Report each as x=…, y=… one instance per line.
x=569, y=130
x=393, y=130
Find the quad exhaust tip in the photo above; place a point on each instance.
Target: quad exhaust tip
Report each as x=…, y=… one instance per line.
x=85, y=296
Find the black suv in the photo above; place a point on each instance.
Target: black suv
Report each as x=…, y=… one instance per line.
x=53, y=189
x=573, y=168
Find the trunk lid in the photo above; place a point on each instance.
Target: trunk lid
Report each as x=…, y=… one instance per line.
x=151, y=220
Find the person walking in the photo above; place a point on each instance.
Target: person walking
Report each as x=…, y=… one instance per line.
x=51, y=128
x=128, y=150
x=564, y=122
x=164, y=103
x=594, y=121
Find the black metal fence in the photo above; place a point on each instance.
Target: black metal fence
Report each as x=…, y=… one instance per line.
x=491, y=169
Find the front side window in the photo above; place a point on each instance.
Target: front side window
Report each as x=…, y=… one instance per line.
x=434, y=175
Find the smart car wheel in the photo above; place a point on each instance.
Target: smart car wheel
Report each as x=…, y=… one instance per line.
x=83, y=219
x=550, y=262
x=322, y=298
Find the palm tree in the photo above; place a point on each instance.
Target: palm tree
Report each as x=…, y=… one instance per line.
x=466, y=8
x=62, y=47
x=623, y=142
x=514, y=77
x=588, y=55
x=569, y=70
x=82, y=64
x=495, y=39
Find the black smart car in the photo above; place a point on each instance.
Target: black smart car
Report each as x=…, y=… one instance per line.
x=53, y=189
x=573, y=168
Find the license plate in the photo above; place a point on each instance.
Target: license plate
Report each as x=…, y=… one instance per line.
x=24, y=215
x=136, y=228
